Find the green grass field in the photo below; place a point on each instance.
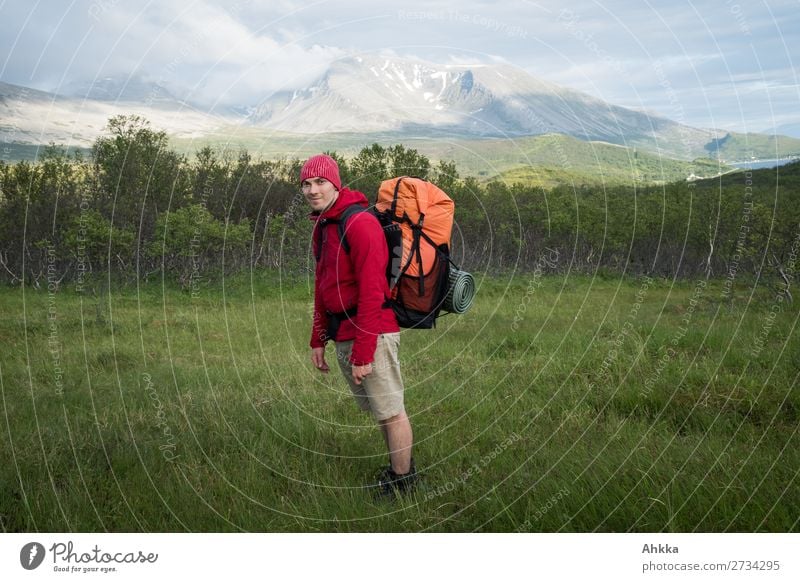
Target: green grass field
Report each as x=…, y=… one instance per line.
x=557, y=404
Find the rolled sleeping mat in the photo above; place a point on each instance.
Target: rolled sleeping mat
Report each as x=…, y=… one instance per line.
x=461, y=292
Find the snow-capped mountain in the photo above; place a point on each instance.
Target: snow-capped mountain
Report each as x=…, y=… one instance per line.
x=378, y=97
x=376, y=94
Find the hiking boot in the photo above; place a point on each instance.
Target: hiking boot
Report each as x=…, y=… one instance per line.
x=389, y=485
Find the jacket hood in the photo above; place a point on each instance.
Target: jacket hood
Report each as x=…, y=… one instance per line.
x=346, y=198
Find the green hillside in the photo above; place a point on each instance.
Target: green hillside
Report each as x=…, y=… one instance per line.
x=555, y=159
x=741, y=147
x=541, y=160
x=644, y=170
x=17, y=152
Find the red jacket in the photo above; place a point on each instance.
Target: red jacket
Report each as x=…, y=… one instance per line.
x=345, y=280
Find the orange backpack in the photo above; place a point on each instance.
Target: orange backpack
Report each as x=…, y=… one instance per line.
x=417, y=220
x=419, y=262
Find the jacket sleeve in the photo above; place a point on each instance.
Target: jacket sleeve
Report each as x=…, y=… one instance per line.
x=369, y=255
x=319, y=325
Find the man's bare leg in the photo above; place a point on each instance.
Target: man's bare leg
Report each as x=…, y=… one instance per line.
x=399, y=438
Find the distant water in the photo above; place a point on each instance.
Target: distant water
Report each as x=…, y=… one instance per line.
x=760, y=164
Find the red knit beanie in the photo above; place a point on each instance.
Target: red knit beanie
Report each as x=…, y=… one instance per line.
x=321, y=166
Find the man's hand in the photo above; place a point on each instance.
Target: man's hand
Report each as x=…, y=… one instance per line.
x=361, y=372
x=318, y=359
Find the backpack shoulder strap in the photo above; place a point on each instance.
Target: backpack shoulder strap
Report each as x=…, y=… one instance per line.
x=343, y=218
x=341, y=222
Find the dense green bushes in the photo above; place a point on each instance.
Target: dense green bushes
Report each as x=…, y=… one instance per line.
x=138, y=209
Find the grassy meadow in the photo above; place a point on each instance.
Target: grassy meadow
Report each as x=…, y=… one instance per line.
x=557, y=404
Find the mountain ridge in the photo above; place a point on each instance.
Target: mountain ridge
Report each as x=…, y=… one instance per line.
x=404, y=99
x=381, y=94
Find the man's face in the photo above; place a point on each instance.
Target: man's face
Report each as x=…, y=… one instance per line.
x=320, y=193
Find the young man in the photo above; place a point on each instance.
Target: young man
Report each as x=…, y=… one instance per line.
x=350, y=308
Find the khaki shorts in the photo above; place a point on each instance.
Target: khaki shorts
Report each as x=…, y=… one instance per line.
x=380, y=393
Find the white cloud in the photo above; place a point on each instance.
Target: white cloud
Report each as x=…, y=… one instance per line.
x=241, y=51
x=180, y=45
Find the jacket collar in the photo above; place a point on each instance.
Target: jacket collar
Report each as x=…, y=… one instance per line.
x=346, y=198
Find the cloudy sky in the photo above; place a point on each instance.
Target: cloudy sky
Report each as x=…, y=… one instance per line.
x=725, y=64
